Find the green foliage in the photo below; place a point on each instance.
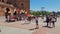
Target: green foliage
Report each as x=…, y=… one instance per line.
x=43, y=13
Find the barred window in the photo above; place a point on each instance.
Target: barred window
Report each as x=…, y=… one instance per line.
x=22, y=5
x=2, y=0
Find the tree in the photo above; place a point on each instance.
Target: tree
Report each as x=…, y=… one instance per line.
x=40, y=13
x=58, y=13
x=42, y=9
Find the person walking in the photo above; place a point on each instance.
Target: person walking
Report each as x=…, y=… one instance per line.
x=37, y=25
x=53, y=20
x=50, y=18
x=47, y=21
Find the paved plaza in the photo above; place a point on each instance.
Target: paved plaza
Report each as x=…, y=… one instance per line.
x=19, y=27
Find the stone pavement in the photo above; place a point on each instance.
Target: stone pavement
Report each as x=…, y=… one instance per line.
x=19, y=27
x=11, y=30
x=45, y=30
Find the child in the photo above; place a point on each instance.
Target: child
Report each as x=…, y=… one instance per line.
x=37, y=25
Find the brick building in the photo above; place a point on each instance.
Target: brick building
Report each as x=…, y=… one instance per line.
x=20, y=4
x=3, y=6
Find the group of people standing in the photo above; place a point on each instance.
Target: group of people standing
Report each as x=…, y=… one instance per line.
x=50, y=19
x=19, y=15
x=15, y=15
x=11, y=17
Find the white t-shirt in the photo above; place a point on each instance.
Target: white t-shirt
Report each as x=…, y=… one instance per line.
x=53, y=19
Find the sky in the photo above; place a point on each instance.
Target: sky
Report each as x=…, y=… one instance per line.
x=50, y=5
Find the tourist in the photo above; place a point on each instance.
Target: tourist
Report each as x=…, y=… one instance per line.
x=20, y=16
x=37, y=25
x=29, y=19
x=11, y=18
x=50, y=17
x=47, y=20
x=7, y=13
x=17, y=14
x=53, y=20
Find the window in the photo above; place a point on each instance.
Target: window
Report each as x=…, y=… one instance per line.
x=9, y=2
x=22, y=0
x=15, y=4
x=14, y=1
x=22, y=5
x=2, y=0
